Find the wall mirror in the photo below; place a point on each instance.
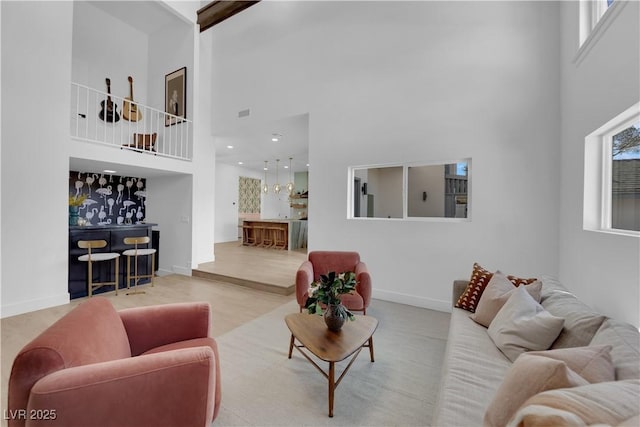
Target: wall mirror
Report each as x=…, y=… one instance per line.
x=411, y=191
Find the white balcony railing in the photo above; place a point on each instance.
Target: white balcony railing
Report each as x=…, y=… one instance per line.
x=154, y=132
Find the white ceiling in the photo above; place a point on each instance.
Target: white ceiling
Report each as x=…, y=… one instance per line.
x=146, y=16
x=252, y=144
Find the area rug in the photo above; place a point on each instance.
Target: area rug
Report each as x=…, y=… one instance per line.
x=262, y=387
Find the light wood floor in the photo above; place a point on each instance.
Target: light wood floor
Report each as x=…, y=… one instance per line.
x=232, y=306
x=269, y=270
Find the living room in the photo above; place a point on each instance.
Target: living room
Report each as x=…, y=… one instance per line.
x=504, y=84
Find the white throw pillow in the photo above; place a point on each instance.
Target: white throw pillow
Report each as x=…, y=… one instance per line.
x=523, y=325
x=496, y=295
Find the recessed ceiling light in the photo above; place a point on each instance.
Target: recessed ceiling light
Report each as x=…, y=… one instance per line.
x=275, y=137
x=307, y=164
x=230, y=147
x=108, y=171
x=286, y=167
x=241, y=163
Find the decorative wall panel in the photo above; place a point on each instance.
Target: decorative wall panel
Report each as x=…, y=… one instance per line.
x=249, y=195
x=111, y=199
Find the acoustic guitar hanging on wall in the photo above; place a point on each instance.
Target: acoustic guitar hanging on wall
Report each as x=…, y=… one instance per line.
x=109, y=112
x=129, y=108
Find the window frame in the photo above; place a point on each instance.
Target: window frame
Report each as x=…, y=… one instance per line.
x=405, y=182
x=598, y=165
x=591, y=30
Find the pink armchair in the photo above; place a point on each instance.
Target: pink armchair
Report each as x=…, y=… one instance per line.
x=323, y=262
x=146, y=366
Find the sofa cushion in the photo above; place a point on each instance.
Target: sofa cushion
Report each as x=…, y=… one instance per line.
x=608, y=403
x=541, y=373
x=472, y=371
x=480, y=278
x=581, y=322
x=523, y=325
x=197, y=342
x=593, y=363
x=496, y=295
x=625, y=352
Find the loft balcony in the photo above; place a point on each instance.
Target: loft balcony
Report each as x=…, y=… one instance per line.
x=128, y=125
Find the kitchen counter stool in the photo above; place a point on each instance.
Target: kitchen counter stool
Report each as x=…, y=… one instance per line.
x=90, y=258
x=129, y=253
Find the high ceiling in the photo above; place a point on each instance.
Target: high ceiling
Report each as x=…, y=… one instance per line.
x=252, y=144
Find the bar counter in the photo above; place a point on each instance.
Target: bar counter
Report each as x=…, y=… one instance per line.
x=262, y=233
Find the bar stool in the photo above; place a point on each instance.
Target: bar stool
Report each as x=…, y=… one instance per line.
x=268, y=237
x=260, y=232
x=90, y=258
x=248, y=235
x=280, y=237
x=134, y=253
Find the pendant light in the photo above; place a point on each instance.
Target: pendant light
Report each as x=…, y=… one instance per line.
x=265, y=187
x=290, y=183
x=276, y=186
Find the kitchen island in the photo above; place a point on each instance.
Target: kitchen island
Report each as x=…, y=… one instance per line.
x=287, y=234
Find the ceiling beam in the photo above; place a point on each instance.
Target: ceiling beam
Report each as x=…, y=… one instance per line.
x=219, y=10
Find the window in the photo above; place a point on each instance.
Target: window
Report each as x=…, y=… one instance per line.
x=411, y=191
x=591, y=11
x=625, y=179
x=595, y=17
x=612, y=176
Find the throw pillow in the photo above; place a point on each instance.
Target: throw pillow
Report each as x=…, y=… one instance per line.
x=480, y=278
x=610, y=403
x=593, y=363
x=496, y=295
x=528, y=376
x=523, y=325
x=581, y=322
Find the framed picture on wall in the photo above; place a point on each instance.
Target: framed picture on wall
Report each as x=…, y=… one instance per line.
x=175, y=96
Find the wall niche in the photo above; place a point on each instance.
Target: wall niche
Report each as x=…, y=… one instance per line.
x=111, y=199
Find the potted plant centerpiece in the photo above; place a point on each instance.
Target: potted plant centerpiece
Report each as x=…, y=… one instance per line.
x=327, y=293
x=74, y=205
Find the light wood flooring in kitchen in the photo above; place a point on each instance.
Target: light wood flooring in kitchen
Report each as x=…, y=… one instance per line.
x=264, y=269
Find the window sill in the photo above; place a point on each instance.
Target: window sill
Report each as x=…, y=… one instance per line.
x=599, y=29
x=611, y=231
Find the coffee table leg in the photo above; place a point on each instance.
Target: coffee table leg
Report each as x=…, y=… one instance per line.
x=371, y=348
x=332, y=386
x=291, y=346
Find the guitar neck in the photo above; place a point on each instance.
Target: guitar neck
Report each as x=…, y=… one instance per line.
x=108, y=90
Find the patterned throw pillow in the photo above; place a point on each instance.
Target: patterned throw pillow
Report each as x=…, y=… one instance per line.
x=480, y=278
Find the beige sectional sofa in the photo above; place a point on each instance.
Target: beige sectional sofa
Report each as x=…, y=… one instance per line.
x=475, y=368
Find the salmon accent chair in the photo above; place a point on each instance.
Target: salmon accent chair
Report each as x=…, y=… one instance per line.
x=323, y=262
x=145, y=366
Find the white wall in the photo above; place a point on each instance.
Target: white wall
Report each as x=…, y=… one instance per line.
x=603, y=269
x=429, y=179
x=385, y=185
x=101, y=45
x=204, y=153
x=226, y=191
x=389, y=82
x=35, y=76
x=169, y=204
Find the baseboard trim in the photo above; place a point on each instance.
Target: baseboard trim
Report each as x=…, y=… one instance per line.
x=34, y=305
x=185, y=271
x=416, y=301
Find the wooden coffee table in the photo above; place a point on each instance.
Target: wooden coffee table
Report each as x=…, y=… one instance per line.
x=312, y=334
